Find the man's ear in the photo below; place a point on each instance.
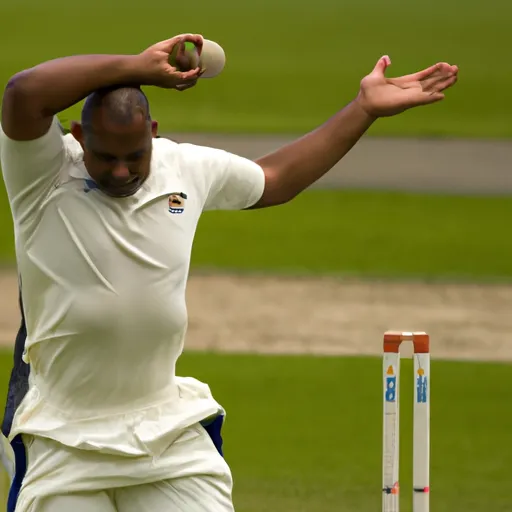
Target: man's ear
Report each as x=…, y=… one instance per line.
x=77, y=132
x=154, y=129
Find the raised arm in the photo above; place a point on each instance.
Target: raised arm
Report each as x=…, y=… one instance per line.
x=292, y=168
x=33, y=96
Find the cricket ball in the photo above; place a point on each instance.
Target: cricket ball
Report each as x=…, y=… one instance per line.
x=211, y=61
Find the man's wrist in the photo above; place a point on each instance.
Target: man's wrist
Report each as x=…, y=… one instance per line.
x=361, y=104
x=134, y=69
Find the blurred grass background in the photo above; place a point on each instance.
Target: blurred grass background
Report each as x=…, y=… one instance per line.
x=290, y=65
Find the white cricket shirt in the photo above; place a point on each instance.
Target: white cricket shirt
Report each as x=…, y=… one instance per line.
x=103, y=287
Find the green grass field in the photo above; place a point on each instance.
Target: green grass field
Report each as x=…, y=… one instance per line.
x=356, y=233
x=364, y=234
x=290, y=64
x=303, y=434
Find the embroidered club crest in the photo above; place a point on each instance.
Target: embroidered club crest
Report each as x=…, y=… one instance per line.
x=177, y=202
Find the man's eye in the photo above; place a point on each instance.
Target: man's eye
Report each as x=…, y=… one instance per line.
x=106, y=158
x=134, y=158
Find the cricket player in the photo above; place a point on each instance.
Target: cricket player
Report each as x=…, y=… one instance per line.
x=104, y=221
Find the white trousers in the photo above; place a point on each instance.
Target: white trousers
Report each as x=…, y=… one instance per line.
x=190, y=494
x=191, y=476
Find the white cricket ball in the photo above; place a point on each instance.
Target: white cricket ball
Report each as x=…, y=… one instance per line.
x=213, y=59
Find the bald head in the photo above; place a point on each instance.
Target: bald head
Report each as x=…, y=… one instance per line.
x=118, y=105
x=116, y=135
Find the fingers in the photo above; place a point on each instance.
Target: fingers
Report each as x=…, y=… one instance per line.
x=188, y=76
x=425, y=73
x=439, y=82
x=198, y=41
x=381, y=66
x=180, y=40
x=448, y=69
x=439, y=69
x=445, y=84
x=436, y=94
x=184, y=87
x=428, y=99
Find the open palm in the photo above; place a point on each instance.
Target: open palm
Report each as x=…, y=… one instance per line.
x=381, y=96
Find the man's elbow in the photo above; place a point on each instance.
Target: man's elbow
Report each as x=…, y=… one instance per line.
x=15, y=96
x=21, y=112
x=17, y=86
x=19, y=92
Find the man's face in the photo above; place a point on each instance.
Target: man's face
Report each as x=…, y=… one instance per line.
x=117, y=156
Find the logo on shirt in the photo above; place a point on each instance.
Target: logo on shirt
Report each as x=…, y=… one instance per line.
x=177, y=202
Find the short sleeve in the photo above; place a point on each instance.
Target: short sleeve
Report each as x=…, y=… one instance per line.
x=31, y=168
x=231, y=182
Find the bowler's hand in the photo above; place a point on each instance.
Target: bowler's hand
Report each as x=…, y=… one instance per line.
x=157, y=70
x=380, y=96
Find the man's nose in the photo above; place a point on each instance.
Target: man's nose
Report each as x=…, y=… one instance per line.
x=120, y=171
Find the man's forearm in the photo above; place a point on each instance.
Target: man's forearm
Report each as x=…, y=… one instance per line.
x=56, y=85
x=294, y=167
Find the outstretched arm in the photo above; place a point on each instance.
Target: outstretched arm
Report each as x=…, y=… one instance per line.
x=293, y=168
x=33, y=96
